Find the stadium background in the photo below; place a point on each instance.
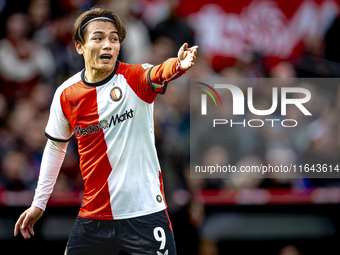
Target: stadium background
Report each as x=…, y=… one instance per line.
x=237, y=39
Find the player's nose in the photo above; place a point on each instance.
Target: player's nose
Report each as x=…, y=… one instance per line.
x=107, y=45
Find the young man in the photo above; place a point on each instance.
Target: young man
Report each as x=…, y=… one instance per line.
x=109, y=108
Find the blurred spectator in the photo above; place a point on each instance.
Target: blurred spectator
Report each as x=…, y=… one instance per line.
x=277, y=157
x=15, y=172
x=3, y=108
x=30, y=61
x=155, y=12
x=283, y=70
x=136, y=47
x=41, y=96
x=162, y=48
x=202, y=69
x=250, y=180
x=323, y=149
x=174, y=27
x=59, y=33
x=216, y=155
x=39, y=12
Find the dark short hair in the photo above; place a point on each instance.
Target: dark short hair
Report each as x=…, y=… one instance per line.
x=95, y=12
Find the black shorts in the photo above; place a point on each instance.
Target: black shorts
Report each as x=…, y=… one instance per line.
x=149, y=234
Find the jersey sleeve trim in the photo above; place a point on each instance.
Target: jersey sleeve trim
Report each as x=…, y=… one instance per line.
x=56, y=139
x=158, y=86
x=163, y=82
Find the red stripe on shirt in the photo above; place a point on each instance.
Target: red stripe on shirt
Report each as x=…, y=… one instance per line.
x=162, y=191
x=161, y=186
x=94, y=163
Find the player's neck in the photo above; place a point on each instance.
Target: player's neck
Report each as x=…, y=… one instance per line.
x=95, y=75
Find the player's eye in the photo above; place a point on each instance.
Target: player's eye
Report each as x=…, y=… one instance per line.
x=96, y=38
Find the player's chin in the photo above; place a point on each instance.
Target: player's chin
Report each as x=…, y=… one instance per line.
x=106, y=66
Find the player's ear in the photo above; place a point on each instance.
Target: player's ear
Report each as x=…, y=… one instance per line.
x=79, y=48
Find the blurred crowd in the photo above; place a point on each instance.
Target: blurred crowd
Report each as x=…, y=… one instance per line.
x=37, y=54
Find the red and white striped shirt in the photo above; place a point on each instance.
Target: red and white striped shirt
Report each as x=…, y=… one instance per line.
x=113, y=122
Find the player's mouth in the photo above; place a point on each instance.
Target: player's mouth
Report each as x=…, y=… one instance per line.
x=106, y=58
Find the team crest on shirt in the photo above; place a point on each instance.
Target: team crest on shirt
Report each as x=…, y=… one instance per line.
x=116, y=94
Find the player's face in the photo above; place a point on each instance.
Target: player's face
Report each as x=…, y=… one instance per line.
x=101, y=46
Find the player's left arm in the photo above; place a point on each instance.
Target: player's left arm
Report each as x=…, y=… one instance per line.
x=172, y=68
x=160, y=75
x=148, y=81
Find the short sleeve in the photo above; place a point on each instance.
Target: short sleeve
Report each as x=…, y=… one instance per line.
x=137, y=78
x=58, y=127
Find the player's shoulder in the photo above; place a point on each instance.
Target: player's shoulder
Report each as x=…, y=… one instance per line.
x=66, y=84
x=132, y=68
x=69, y=82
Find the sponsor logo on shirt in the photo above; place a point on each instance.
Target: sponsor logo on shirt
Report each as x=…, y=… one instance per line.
x=103, y=124
x=146, y=66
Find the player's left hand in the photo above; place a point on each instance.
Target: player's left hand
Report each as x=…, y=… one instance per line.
x=187, y=56
x=26, y=221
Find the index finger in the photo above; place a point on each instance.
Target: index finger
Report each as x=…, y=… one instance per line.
x=18, y=224
x=194, y=48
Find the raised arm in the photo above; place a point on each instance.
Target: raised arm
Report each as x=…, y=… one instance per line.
x=52, y=160
x=147, y=81
x=160, y=75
